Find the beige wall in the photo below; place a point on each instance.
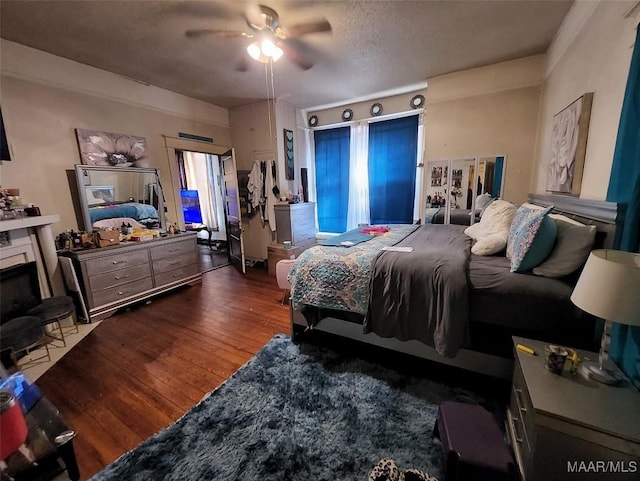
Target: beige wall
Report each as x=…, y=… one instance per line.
x=253, y=140
x=488, y=111
x=286, y=119
x=41, y=114
x=592, y=53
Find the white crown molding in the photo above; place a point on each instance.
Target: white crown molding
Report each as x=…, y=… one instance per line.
x=572, y=24
x=33, y=65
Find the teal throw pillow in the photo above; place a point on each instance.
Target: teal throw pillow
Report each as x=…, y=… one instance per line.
x=531, y=238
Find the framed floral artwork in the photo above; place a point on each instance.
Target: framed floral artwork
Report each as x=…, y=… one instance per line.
x=115, y=150
x=569, y=132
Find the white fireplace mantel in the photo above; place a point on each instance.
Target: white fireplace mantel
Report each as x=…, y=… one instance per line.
x=25, y=222
x=31, y=239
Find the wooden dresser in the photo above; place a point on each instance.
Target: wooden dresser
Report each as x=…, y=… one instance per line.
x=113, y=277
x=296, y=223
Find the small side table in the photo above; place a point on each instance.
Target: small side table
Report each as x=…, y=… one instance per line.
x=568, y=427
x=277, y=252
x=50, y=440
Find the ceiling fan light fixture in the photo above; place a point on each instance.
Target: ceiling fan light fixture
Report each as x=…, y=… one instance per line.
x=254, y=51
x=265, y=50
x=277, y=53
x=268, y=47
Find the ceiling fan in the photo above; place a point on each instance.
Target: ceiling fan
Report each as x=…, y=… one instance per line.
x=272, y=41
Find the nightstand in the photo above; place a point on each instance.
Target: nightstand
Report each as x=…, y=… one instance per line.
x=277, y=252
x=567, y=427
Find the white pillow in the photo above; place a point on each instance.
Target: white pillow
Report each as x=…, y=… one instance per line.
x=492, y=232
x=482, y=201
x=574, y=241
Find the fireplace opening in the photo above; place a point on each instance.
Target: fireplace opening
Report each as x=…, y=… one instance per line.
x=19, y=290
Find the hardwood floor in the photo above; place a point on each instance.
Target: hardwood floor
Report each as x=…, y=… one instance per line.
x=209, y=259
x=143, y=368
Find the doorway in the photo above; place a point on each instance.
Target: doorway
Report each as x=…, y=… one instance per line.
x=202, y=203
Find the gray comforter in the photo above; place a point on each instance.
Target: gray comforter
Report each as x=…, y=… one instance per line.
x=423, y=294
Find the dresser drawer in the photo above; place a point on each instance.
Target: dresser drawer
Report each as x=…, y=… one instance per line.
x=174, y=262
x=174, y=249
x=119, y=277
x=176, y=274
x=116, y=261
x=521, y=403
x=519, y=444
x=114, y=294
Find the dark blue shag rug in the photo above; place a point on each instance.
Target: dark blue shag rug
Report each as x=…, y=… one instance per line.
x=297, y=412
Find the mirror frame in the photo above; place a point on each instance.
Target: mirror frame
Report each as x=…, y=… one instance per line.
x=449, y=163
x=82, y=192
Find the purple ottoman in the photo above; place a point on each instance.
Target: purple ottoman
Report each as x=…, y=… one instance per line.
x=474, y=447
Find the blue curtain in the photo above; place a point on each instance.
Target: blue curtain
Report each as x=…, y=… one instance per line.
x=624, y=186
x=393, y=146
x=497, y=177
x=332, y=178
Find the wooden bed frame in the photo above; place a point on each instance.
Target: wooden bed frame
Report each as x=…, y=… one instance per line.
x=606, y=216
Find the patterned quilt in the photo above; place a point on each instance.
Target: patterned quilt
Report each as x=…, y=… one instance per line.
x=338, y=277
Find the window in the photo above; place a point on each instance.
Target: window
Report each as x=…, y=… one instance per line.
x=366, y=174
x=332, y=178
x=393, y=146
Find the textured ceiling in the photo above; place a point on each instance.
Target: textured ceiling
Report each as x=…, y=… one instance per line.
x=374, y=45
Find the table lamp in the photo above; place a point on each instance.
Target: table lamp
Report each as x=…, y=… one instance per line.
x=608, y=288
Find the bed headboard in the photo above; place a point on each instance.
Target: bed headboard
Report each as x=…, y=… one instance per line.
x=606, y=216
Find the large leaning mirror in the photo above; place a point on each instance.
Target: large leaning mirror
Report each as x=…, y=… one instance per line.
x=111, y=196
x=458, y=189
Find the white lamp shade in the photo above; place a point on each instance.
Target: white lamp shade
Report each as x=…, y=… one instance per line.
x=609, y=286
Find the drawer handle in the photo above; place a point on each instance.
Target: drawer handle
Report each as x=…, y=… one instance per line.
x=514, y=423
x=124, y=292
x=519, y=399
x=117, y=278
x=178, y=275
x=173, y=250
x=119, y=262
x=174, y=263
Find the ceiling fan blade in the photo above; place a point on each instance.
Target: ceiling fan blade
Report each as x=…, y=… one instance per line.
x=200, y=32
x=242, y=65
x=297, y=52
x=307, y=28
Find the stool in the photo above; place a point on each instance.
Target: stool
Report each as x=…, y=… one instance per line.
x=474, y=447
x=53, y=310
x=23, y=334
x=282, y=272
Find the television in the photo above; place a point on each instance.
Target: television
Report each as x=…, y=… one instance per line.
x=5, y=154
x=190, y=206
